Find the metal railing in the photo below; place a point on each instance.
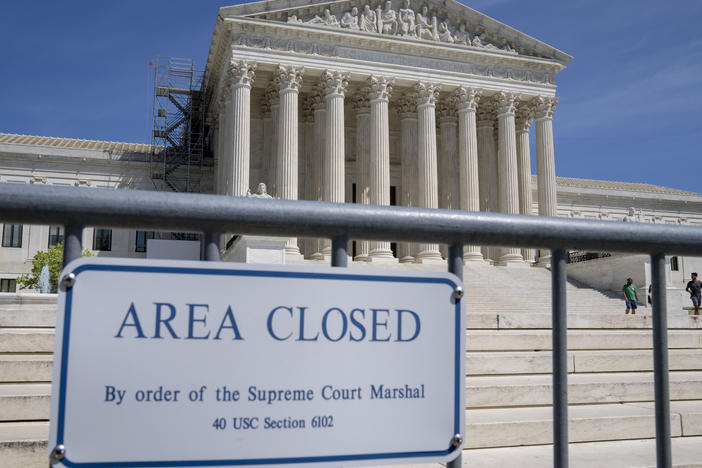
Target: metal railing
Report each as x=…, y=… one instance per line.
x=212, y=214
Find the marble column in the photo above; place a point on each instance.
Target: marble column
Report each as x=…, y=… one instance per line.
x=447, y=162
x=379, y=172
x=241, y=76
x=523, y=123
x=507, y=167
x=335, y=84
x=268, y=136
x=308, y=150
x=407, y=109
x=289, y=81
x=486, y=161
x=320, y=128
x=273, y=94
x=468, y=173
x=427, y=94
x=545, y=165
x=361, y=103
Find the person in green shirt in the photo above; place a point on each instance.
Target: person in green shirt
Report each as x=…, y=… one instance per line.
x=629, y=293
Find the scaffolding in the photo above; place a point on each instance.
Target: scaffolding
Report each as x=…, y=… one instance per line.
x=178, y=137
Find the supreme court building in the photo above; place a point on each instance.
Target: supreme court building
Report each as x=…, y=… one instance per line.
x=343, y=101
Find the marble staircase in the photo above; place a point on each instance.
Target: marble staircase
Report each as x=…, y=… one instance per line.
x=508, y=381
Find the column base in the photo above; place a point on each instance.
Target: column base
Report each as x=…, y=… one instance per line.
x=407, y=259
x=383, y=259
x=513, y=264
x=316, y=256
x=429, y=257
x=293, y=256
x=473, y=257
x=361, y=258
x=508, y=258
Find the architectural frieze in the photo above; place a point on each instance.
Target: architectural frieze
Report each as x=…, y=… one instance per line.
x=407, y=22
x=492, y=68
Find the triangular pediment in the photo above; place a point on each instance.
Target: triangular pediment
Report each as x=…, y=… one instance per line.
x=438, y=21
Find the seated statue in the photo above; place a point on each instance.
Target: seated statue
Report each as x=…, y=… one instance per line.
x=350, y=19
x=426, y=28
x=405, y=19
x=388, y=17
x=444, y=33
x=462, y=36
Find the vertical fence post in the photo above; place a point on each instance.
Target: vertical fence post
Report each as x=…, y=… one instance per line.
x=339, y=256
x=660, y=362
x=72, y=243
x=455, y=266
x=210, y=251
x=559, y=351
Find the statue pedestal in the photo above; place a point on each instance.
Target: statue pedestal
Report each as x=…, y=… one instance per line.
x=256, y=249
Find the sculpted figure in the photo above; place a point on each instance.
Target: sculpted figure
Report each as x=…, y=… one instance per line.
x=350, y=19
x=293, y=19
x=481, y=41
x=462, y=36
x=444, y=33
x=426, y=28
x=328, y=20
x=259, y=193
x=369, y=21
x=406, y=20
x=388, y=19
x=507, y=47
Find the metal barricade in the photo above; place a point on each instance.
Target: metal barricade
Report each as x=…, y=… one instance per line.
x=213, y=214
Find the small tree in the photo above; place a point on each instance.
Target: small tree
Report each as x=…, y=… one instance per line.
x=53, y=259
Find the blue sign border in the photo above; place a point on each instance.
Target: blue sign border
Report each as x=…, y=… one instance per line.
x=458, y=405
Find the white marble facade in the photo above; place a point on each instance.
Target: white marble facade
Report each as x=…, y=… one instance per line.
x=391, y=99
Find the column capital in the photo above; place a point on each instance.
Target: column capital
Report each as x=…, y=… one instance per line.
x=523, y=117
x=427, y=93
x=241, y=72
x=380, y=87
x=446, y=109
x=467, y=99
x=361, y=100
x=407, y=105
x=544, y=107
x=335, y=82
x=506, y=103
x=486, y=113
x=289, y=78
x=271, y=94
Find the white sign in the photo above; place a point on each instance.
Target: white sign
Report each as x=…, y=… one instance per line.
x=177, y=363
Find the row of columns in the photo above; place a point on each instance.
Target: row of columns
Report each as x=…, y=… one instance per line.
x=485, y=177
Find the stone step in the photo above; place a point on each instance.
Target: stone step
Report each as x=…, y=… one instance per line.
x=25, y=368
x=539, y=362
x=24, y=445
x=26, y=340
x=27, y=299
x=537, y=340
x=28, y=317
x=619, y=321
x=612, y=454
x=535, y=390
x=25, y=402
x=506, y=427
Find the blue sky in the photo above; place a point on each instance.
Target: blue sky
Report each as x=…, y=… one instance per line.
x=630, y=100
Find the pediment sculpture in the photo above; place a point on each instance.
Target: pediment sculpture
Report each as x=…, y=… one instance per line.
x=406, y=22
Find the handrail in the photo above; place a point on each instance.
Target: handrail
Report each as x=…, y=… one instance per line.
x=20, y=203
x=211, y=214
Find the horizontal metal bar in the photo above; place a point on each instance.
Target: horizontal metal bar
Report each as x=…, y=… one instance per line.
x=150, y=210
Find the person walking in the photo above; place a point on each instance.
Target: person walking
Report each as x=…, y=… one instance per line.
x=630, y=296
x=694, y=287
